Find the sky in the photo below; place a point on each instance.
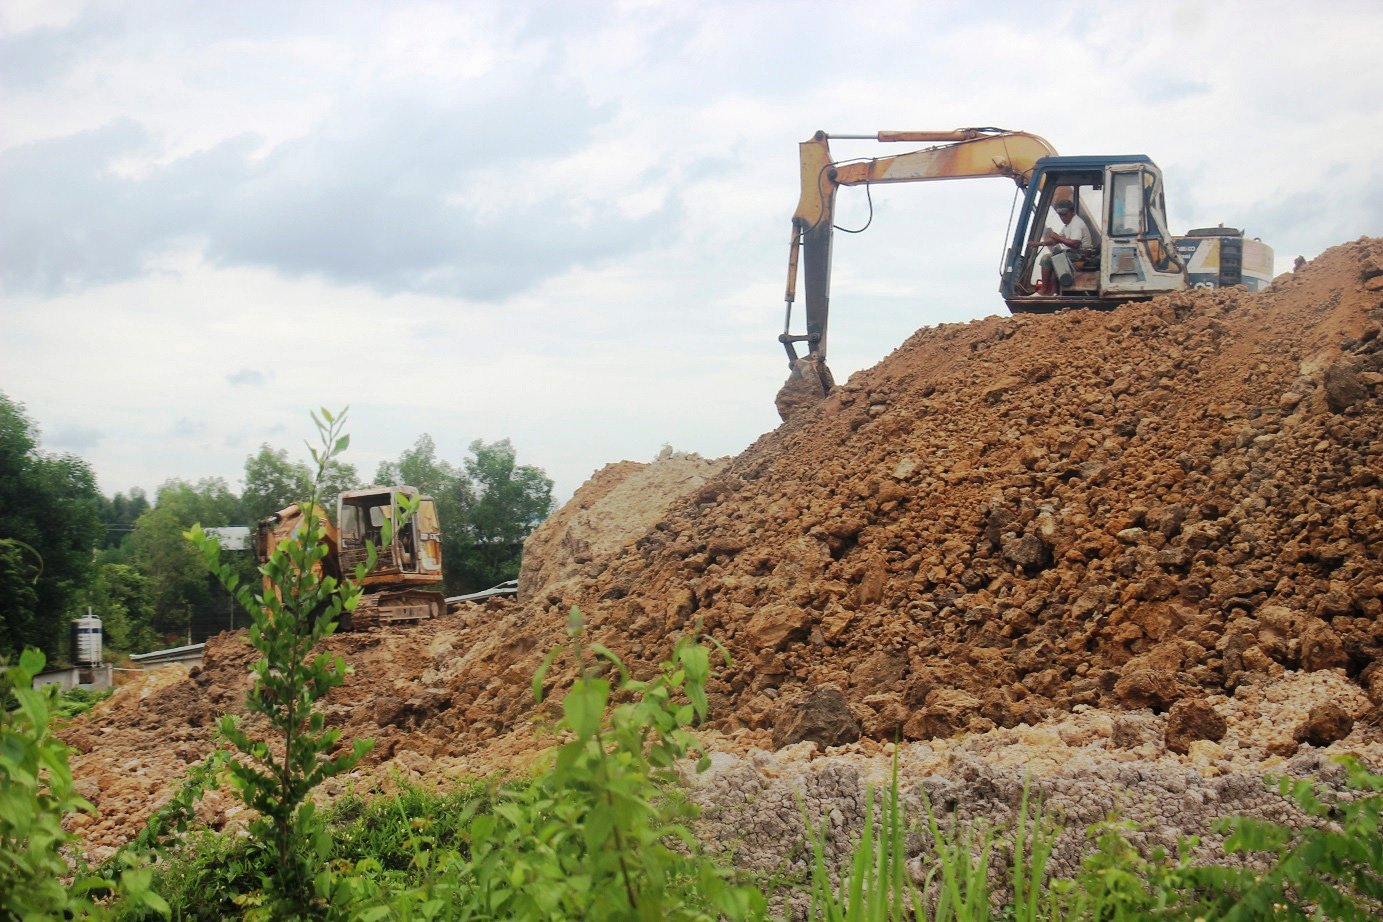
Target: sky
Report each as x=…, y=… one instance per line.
x=567, y=223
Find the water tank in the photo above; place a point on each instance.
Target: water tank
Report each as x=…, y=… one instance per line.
x=86, y=641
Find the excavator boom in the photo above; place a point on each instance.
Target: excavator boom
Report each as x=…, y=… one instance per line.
x=960, y=154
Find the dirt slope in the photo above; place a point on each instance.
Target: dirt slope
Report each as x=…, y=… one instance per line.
x=1019, y=515
x=1002, y=522
x=617, y=505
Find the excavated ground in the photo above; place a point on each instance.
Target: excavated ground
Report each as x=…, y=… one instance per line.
x=1139, y=553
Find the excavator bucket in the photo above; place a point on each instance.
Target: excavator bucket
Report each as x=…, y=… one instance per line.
x=807, y=385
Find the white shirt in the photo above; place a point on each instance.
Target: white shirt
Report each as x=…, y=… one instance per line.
x=1077, y=230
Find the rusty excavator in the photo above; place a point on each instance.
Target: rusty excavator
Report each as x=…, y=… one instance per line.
x=1128, y=254
x=405, y=583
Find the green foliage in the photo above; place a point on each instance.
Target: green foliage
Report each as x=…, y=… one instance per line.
x=961, y=870
x=77, y=701
x=601, y=833
x=486, y=509
x=1034, y=839
x=204, y=876
x=50, y=504
x=122, y=596
x=389, y=829
x=273, y=482
x=118, y=515
x=382, y=853
x=278, y=770
x=175, y=576
x=36, y=792
x=1117, y=882
x=511, y=500
x=20, y=567
x=598, y=833
x=1332, y=868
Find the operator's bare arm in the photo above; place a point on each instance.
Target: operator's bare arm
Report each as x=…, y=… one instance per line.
x=1052, y=238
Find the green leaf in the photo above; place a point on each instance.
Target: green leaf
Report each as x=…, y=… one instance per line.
x=541, y=674
x=30, y=661
x=584, y=705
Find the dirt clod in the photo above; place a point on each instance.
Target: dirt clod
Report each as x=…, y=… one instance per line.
x=822, y=717
x=1325, y=723
x=1190, y=720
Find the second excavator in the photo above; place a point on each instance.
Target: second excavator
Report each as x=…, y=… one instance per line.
x=1129, y=254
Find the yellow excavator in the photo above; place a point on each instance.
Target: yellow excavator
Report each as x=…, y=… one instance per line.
x=407, y=577
x=1119, y=198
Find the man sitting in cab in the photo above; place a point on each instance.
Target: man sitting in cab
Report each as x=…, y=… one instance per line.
x=1074, y=237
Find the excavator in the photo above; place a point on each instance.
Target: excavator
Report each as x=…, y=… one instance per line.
x=405, y=583
x=1132, y=256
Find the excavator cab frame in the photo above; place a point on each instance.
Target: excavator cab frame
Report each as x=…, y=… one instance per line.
x=413, y=557
x=1120, y=198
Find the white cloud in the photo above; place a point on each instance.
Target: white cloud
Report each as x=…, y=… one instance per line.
x=567, y=224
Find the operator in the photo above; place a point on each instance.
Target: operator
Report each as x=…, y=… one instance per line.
x=1073, y=238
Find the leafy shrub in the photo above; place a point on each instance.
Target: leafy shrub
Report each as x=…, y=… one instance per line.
x=77, y=701
x=36, y=792
x=1330, y=869
x=277, y=772
x=601, y=832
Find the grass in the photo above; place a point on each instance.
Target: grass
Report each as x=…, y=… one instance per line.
x=382, y=838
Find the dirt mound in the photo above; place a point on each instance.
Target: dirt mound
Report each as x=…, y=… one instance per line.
x=618, y=504
x=1012, y=517
x=1002, y=522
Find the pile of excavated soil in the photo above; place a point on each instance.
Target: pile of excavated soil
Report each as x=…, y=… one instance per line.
x=617, y=506
x=1009, y=518
x=1169, y=509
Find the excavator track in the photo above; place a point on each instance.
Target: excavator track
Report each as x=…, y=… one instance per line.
x=375, y=609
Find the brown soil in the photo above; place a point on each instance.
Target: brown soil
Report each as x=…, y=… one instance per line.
x=1002, y=523
x=617, y=506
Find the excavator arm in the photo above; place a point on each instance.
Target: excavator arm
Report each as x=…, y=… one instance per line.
x=961, y=154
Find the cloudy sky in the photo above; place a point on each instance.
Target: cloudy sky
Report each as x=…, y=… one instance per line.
x=566, y=223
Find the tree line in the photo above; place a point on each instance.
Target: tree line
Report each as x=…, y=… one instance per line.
x=65, y=547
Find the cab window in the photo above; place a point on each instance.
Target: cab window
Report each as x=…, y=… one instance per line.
x=1126, y=205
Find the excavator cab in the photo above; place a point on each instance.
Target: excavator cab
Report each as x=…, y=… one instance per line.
x=1133, y=255
x=414, y=556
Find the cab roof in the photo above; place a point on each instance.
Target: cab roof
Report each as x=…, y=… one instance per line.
x=1088, y=162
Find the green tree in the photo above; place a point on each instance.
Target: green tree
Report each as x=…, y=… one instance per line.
x=118, y=515
x=510, y=501
x=20, y=569
x=279, y=769
x=208, y=501
x=273, y=482
x=420, y=467
x=176, y=576
x=49, y=503
x=184, y=597
x=449, y=488
x=121, y=596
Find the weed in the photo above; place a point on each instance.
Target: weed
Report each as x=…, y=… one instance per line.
x=36, y=791
x=275, y=774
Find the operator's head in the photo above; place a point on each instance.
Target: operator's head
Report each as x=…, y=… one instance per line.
x=1065, y=209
